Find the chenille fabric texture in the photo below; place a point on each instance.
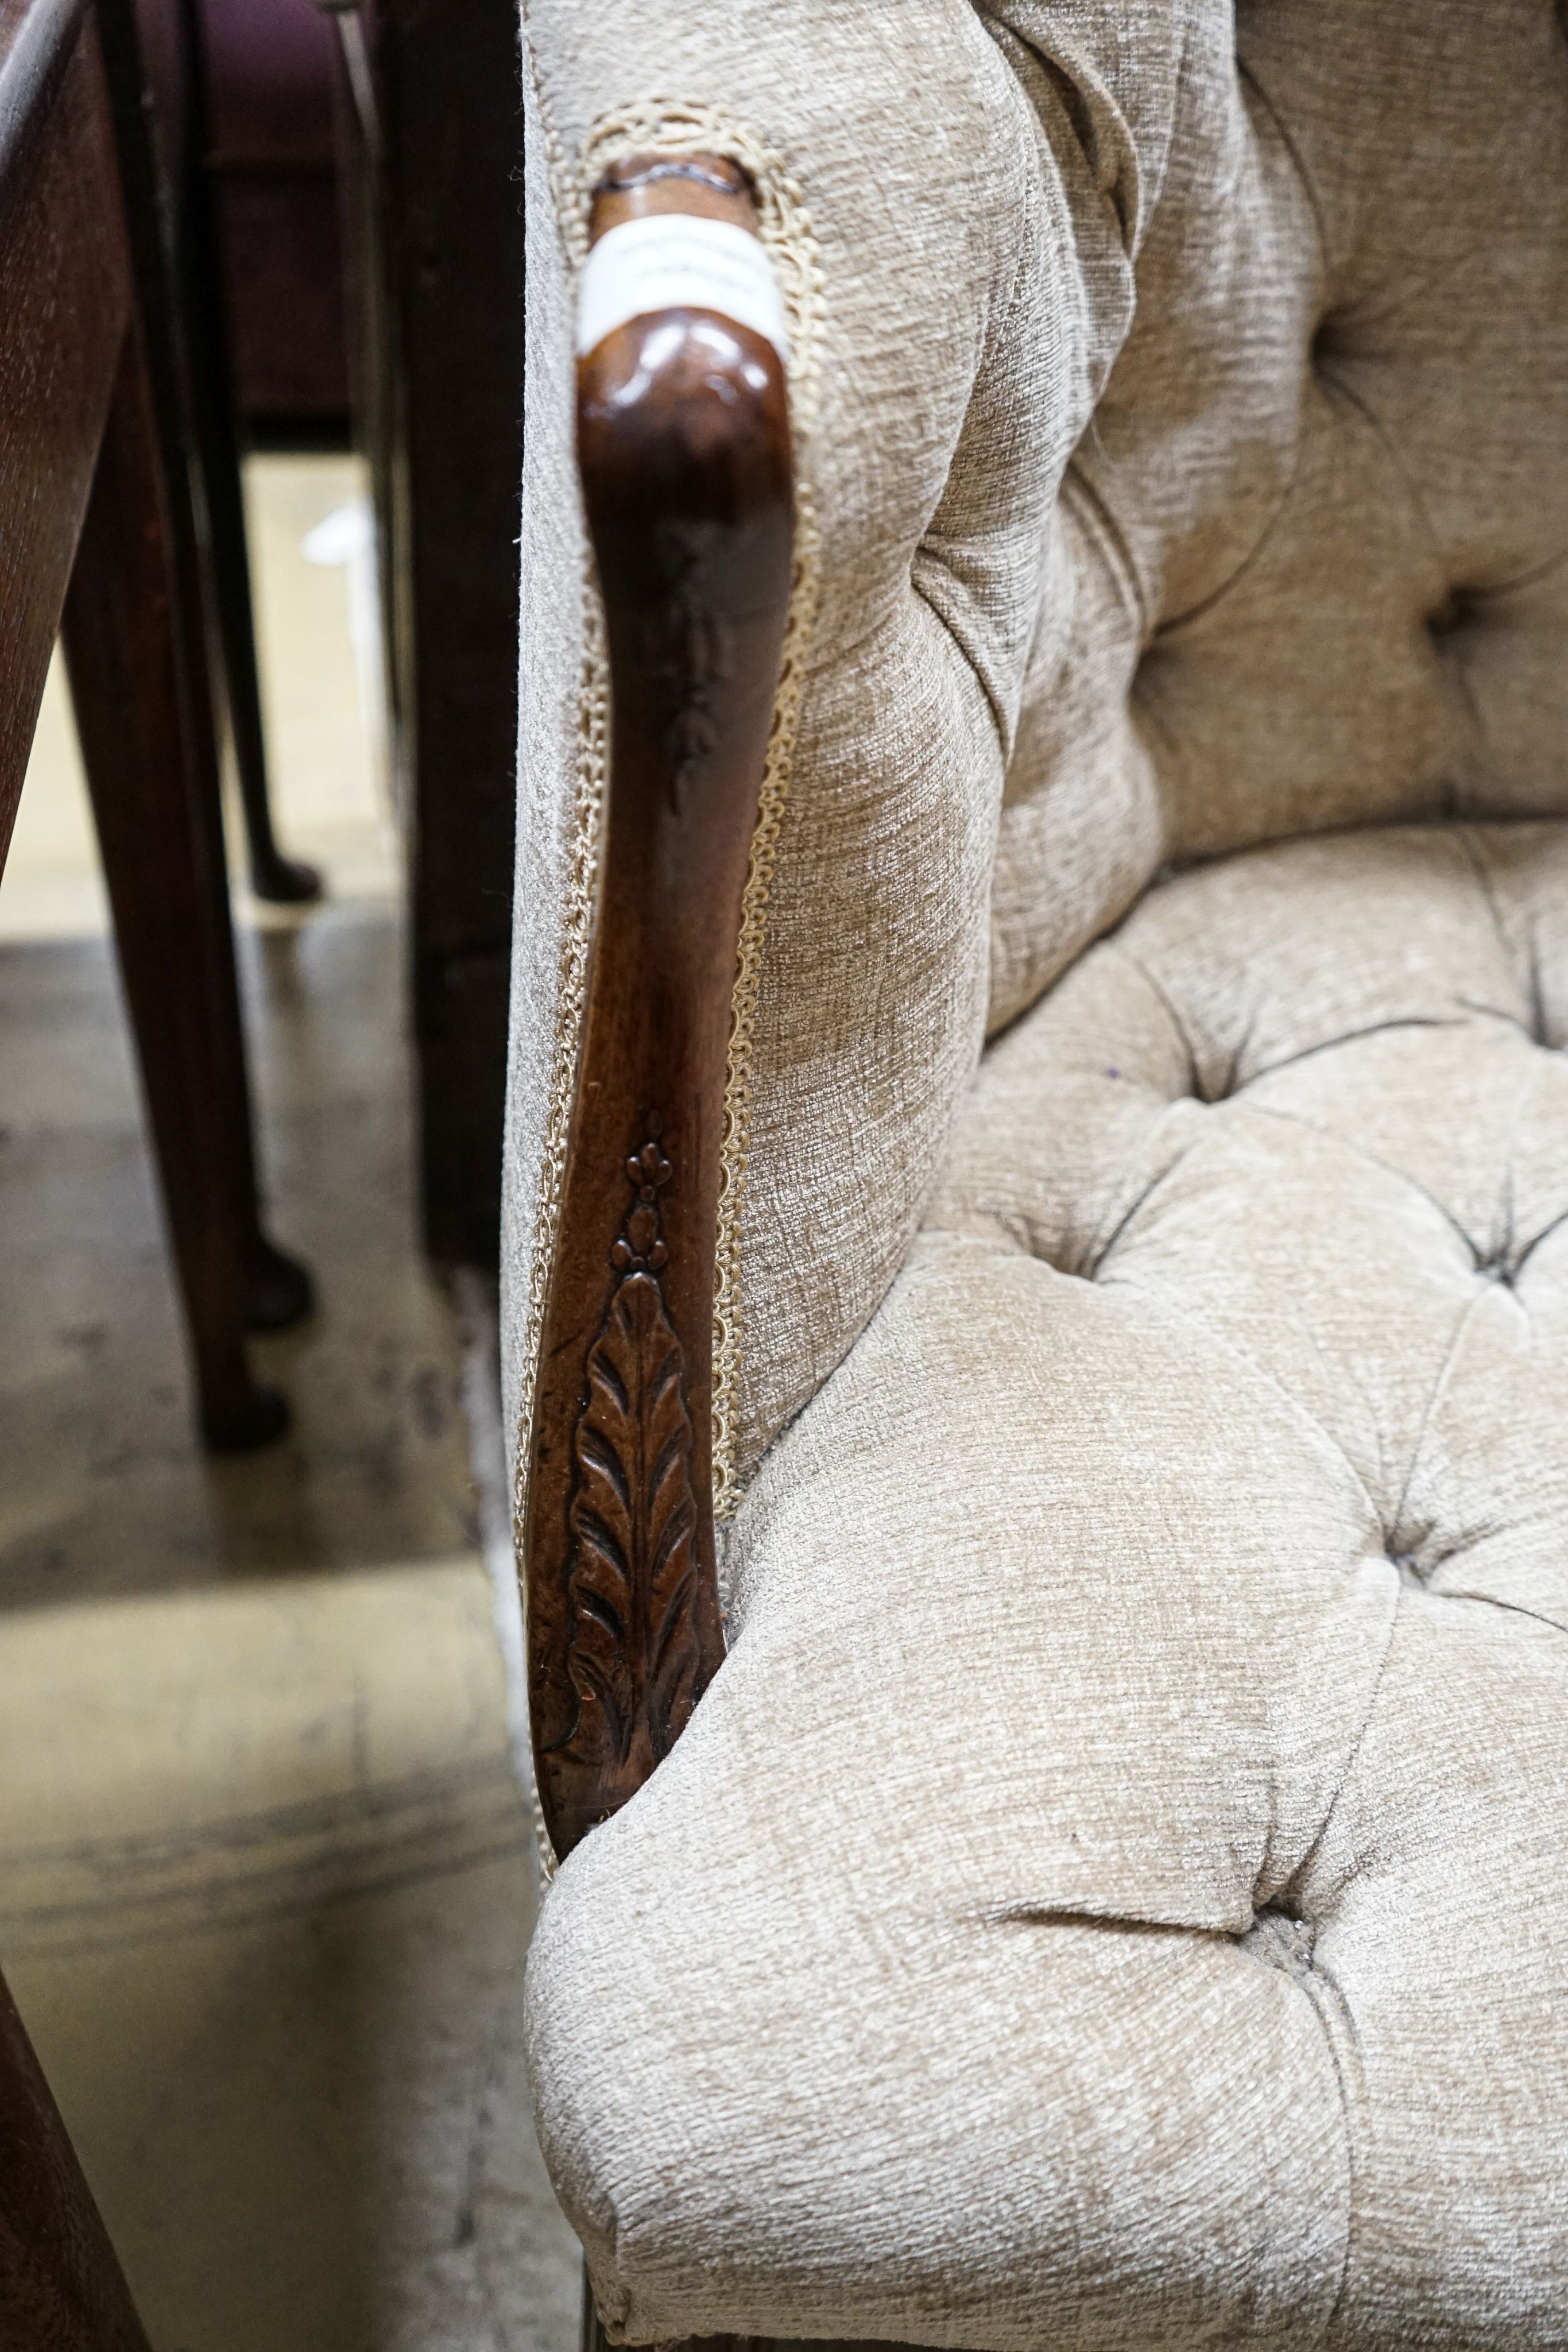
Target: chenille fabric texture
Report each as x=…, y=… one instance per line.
x=1111, y=1896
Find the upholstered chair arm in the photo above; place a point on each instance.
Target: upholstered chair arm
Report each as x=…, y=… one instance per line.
x=685, y=452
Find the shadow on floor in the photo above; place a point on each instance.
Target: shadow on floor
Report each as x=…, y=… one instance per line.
x=105, y=1489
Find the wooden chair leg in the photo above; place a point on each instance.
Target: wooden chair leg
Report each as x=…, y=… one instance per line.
x=285, y=881
x=279, y=1290
x=62, y=2288
x=161, y=839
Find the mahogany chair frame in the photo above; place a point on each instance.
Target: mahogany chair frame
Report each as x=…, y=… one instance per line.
x=685, y=451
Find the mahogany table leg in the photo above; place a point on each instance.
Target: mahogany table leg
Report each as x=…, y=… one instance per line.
x=62, y=2288
x=160, y=835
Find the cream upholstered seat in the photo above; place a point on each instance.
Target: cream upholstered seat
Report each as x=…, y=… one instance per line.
x=1112, y=1893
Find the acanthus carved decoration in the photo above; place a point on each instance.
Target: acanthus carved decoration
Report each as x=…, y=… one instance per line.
x=633, y=1653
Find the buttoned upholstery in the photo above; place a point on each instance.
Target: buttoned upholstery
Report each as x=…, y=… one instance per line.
x=1111, y=1896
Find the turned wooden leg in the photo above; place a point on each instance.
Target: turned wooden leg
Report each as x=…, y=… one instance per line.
x=62, y=2289
x=160, y=835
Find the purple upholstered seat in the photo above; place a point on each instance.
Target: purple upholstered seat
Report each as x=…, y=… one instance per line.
x=271, y=67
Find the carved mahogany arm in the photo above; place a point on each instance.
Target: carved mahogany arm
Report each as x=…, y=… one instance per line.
x=685, y=451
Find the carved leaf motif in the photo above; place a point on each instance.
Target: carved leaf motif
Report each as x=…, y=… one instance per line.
x=633, y=1571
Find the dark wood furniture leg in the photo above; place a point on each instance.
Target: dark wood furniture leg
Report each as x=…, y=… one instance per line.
x=69, y=366
x=279, y=1289
x=284, y=881
x=432, y=132
x=163, y=858
x=62, y=2288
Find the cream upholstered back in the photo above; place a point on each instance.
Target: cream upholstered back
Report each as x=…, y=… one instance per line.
x=1183, y=410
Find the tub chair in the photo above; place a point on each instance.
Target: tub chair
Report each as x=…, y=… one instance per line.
x=1038, y=1167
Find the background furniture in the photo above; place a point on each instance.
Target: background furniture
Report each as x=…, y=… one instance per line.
x=96, y=407
x=181, y=85
x=430, y=129
x=96, y=518
x=1108, y=1890
x=270, y=160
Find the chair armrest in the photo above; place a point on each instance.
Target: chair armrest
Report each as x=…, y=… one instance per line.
x=685, y=452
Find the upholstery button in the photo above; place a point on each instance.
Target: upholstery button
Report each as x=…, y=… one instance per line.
x=1282, y=1940
x=1458, y=608
x=1328, y=344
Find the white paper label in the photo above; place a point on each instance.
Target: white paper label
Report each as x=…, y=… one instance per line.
x=679, y=261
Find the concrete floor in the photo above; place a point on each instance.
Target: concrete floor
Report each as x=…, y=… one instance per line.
x=265, y=1875
x=106, y=1490
x=266, y=1886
